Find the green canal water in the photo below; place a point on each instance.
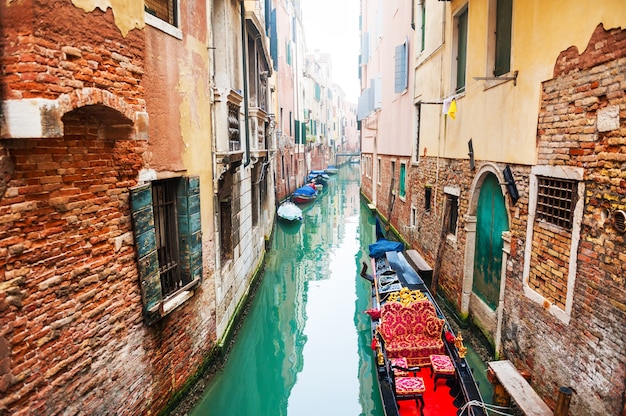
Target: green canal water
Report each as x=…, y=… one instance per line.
x=304, y=347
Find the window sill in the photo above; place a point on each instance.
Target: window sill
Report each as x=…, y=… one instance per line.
x=175, y=301
x=163, y=26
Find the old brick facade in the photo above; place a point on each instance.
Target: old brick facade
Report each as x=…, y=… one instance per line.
x=73, y=339
x=564, y=300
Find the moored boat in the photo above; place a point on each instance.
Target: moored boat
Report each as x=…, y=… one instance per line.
x=331, y=169
x=411, y=363
x=318, y=176
x=289, y=212
x=304, y=194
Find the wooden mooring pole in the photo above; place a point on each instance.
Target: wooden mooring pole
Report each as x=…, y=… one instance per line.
x=562, y=401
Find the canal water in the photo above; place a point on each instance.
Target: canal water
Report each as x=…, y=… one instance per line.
x=304, y=347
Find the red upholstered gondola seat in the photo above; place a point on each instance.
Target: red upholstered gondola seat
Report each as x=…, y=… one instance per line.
x=412, y=331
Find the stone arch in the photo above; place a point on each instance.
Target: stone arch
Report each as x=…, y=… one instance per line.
x=96, y=97
x=489, y=321
x=117, y=119
x=38, y=117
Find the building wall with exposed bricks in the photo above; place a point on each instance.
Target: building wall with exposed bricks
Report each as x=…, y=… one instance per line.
x=73, y=339
x=580, y=126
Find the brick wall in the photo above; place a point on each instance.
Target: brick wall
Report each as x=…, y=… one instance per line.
x=64, y=53
x=72, y=336
x=576, y=129
x=550, y=257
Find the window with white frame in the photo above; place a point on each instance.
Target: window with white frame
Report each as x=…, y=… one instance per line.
x=164, y=15
x=555, y=212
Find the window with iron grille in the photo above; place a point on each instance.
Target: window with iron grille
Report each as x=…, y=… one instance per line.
x=166, y=233
x=168, y=241
x=166, y=10
x=234, y=130
x=556, y=199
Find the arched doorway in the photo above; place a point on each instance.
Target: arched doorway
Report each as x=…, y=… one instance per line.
x=491, y=222
x=488, y=242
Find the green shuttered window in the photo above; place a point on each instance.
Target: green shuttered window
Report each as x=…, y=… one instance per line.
x=168, y=239
x=461, y=57
x=504, y=14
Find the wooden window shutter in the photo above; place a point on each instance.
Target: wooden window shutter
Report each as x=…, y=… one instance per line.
x=401, y=68
x=297, y=138
x=145, y=244
x=504, y=16
x=461, y=52
x=189, y=229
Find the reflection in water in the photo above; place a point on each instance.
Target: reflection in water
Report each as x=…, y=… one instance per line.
x=304, y=346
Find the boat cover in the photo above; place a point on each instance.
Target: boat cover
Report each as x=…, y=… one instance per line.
x=379, y=248
x=289, y=211
x=305, y=190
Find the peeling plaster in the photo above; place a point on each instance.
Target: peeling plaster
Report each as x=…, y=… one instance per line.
x=128, y=15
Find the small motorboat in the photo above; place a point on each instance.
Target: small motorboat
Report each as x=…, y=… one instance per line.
x=332, y=170
x=318, y=176
x=289, y=211
x=304, y=194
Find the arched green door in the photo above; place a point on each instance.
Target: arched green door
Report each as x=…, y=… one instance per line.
x=491, y=221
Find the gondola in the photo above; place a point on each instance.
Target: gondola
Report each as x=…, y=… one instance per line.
x=392, y=278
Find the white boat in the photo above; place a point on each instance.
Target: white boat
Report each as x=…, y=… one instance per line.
x=289, y=211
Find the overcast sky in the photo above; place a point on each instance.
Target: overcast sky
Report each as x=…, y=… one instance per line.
x=332, y=26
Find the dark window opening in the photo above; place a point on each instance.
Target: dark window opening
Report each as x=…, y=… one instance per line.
x=428, y=192
x=166, y=232
x=453, y=213
x=226, y=238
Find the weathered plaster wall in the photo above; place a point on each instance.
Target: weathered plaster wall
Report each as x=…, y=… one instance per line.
x=128, y=15
x=541, y=30
x=72, y=336
x=581, y=126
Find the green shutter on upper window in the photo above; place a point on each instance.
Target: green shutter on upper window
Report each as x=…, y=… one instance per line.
x=189, y=229
x=461, y=58
x=504, y=16
x=145, y=244
x=297, y=138
x=402, y=180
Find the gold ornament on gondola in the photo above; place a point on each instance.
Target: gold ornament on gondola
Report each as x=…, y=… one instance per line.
x=406, y=296
x=458, y=343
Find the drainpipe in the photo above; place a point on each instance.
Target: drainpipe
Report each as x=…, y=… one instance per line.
x=244, y=48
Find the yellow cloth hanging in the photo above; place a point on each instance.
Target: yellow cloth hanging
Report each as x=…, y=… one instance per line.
x=452, y=109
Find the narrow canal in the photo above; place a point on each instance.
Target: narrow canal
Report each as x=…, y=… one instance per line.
x=304, y=347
